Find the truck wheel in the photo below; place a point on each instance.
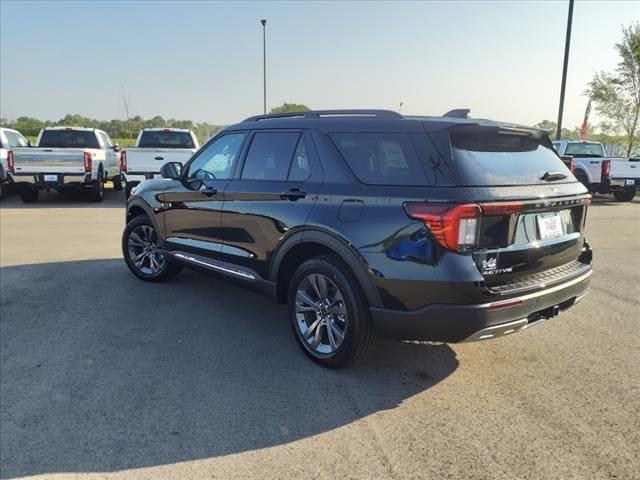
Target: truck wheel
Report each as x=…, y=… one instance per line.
x=97, y=190
x=142, y=252
x=582, y=178
x=625, y=195
x=117, y=183
x=28, y=195
x=329, y=313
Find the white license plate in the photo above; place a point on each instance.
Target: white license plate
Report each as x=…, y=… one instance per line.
x=629, y=182
x=51, y=178
x=549, y=225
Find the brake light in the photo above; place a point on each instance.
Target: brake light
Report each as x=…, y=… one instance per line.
x=11, y=166
x=501, y=208
x=455, y=227
x=606, y=168
x=123, y=161
x=505, y=304
x=88, y=162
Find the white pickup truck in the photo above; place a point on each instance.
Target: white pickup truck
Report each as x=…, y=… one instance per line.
x=66, y=158
x=9, y=139
x=599, y=173
x=155, y=147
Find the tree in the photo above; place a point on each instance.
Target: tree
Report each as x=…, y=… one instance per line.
x=290, y=107
x=617, y=95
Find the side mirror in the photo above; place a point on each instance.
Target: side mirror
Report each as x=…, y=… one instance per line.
x=116, y=147
x=171, y=170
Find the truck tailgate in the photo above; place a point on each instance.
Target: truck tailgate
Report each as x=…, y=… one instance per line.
x=624, y=168
x=149, y=160
x=48, y=160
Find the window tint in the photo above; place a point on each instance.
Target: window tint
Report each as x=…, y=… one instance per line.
x=165, y=139
x=218, y=160
x=68, y=139
x=488, y=157
x=15, y=140
x=300, y=169
x=270, y=155
x=381, y=158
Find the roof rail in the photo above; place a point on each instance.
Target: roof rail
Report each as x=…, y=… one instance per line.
x=326, y=113
x=458, y=113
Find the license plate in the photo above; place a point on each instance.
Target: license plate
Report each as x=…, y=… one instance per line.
x=51, y=178
x=629, y=182
x=549, y=225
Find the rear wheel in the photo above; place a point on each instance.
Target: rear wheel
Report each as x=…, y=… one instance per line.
x=143, y=254
x=97, y=190
x=28, y=194
x=625, y=195
x=117, y=183
x=329, y=314
x=582, y=178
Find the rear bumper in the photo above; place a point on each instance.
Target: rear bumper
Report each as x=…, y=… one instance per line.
x=624, y=182
x=458, y=323
x=137, y=177
x=62, y=180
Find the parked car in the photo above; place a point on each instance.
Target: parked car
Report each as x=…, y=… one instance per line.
x=369, y=223
x=155, y=147
x=67, y=158
x=599, y=173
x=9, y=139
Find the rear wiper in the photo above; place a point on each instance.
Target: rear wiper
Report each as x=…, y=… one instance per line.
x=552, y=176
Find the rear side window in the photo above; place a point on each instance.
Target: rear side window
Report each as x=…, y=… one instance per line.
x=165, y=139
x=68, y=139
x=483, y=156
x=381, y=158
x=270, y=156
x=15, y=140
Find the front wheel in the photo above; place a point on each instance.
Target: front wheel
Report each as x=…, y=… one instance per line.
x=625, y=195
x=143, y=254
x=329, y=314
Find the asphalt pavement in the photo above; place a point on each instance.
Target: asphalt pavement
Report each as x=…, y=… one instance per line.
x=105, y=376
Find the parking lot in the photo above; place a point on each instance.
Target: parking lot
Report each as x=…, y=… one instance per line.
x=103, y=375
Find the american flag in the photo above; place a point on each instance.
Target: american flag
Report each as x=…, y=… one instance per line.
x=585, y=122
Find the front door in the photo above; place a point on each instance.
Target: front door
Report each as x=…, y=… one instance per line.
x=192, y=219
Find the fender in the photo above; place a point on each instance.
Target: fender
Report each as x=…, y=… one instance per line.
x=140, y=203
x=341, y=247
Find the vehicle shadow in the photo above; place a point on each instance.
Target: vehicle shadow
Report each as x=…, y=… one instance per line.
x=53, y=199
x=101, y=372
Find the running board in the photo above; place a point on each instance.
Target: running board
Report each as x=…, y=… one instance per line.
x=212, y=264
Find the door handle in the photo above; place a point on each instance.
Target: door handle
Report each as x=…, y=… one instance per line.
x=209, y=192
x=293, y=194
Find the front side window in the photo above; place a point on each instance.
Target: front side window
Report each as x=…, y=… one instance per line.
x=270, y=156
x=218, y=160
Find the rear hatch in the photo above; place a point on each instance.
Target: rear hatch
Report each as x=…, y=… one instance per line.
x=533, y=210
x=48, y=160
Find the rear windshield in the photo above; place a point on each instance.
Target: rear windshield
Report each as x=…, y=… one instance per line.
x=491, y=157
x=166, y=139
x=381, y=158
x=68, y=139
x=584, y=150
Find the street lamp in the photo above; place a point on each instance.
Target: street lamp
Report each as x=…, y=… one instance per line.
x=264, y=64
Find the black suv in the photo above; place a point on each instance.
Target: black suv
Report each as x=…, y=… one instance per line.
x=367, y=222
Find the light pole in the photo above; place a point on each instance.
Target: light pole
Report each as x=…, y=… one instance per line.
x=567, y=43
x=264, y=64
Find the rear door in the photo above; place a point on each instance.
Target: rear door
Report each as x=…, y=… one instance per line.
x=273, y=194
x=533, y=208
x=194, y=203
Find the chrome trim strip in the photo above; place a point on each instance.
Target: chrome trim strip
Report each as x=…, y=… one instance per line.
x=191, y=242
x=214, y=266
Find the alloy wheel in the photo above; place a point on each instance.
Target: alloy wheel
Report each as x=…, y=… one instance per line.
x=144, y=251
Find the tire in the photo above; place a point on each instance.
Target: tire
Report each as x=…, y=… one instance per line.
x=117, y=183
x=29, y=195
x=97, y=190
x=1, y=189
x=140, y=236
x=625, y=195
x=582, y=178
x=349, y=316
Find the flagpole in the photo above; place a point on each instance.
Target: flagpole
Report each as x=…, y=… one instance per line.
x=567, y=42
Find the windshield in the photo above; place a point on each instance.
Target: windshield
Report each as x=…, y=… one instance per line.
x=68, y=139
x=489, y=157
x=584, y=150
x=165, y=139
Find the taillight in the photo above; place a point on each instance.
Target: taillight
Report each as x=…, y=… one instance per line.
x=455, y=227
x=572, y=165
x=88, y=162
x=11, y=166
x=123, y=161
x=501, y=208
x=606, y=168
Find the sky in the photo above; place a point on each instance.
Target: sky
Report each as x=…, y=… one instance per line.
x=202, y=61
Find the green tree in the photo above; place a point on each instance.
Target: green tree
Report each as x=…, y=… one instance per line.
x=617, y=95
x=290, y=107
